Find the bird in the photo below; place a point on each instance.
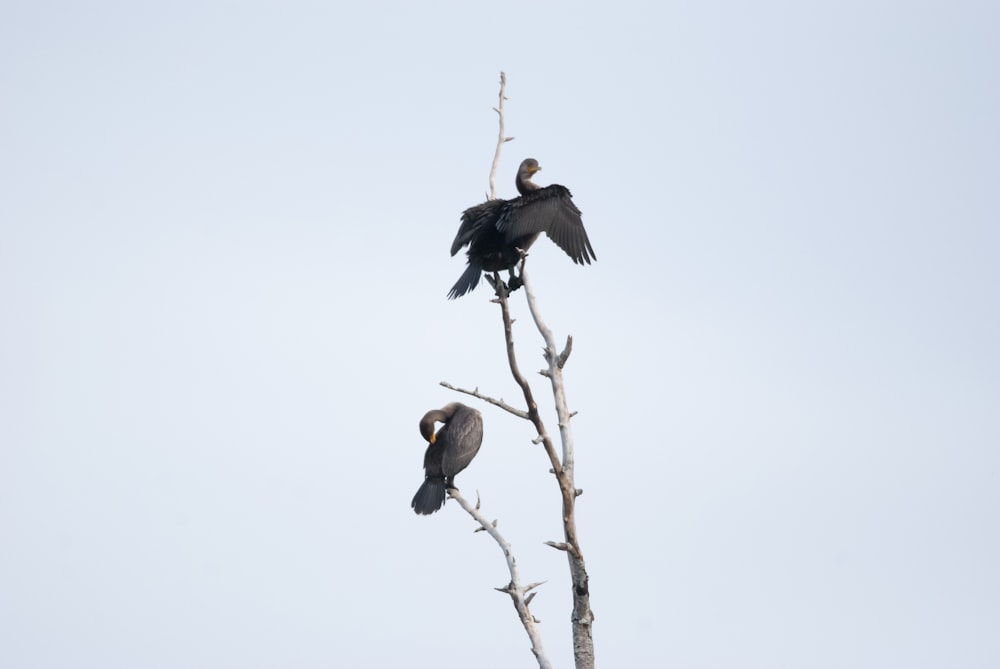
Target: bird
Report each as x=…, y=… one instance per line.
x=497, y=231
x=450, y=450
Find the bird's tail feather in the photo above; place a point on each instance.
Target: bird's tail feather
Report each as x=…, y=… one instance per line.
x=467, y=282
x=430, y=496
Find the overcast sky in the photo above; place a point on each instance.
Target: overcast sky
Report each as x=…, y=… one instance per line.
x=224, y=233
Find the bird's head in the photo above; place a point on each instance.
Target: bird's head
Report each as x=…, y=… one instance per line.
x=523, y=181
x=427, y=431
x=529, y=166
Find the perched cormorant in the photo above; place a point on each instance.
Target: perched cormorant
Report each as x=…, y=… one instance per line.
x=496, y=229
x=451, y=450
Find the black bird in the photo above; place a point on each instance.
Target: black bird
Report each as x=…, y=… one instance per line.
x=451, y=450
x=496, y=229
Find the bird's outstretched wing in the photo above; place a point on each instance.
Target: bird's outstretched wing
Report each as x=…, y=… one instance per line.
x=549, y=210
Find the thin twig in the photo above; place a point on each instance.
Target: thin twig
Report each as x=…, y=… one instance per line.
x=564, y=356
x=501, y=140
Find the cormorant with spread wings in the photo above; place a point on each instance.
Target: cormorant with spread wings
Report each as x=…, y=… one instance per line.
x=496, y=231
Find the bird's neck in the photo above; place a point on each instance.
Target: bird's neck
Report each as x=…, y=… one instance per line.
x=524, y=186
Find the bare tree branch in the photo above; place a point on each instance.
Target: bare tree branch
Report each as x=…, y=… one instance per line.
x=501, y=140
x=554, y=374
x=516, y=591
x=583, y=616
x=529, y=398
x=486, y=398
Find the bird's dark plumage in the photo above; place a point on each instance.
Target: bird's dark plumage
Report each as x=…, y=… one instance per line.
x=496, y=229
x=451, y=450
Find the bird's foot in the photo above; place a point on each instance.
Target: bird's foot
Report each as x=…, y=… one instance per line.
x=497, y=285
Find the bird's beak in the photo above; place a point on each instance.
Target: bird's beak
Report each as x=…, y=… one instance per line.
x=536, y=169
x=433, y=438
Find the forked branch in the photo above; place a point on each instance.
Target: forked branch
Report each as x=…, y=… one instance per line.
x=583, y=617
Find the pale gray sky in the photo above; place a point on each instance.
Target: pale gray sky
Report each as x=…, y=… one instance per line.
x=223, y=269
